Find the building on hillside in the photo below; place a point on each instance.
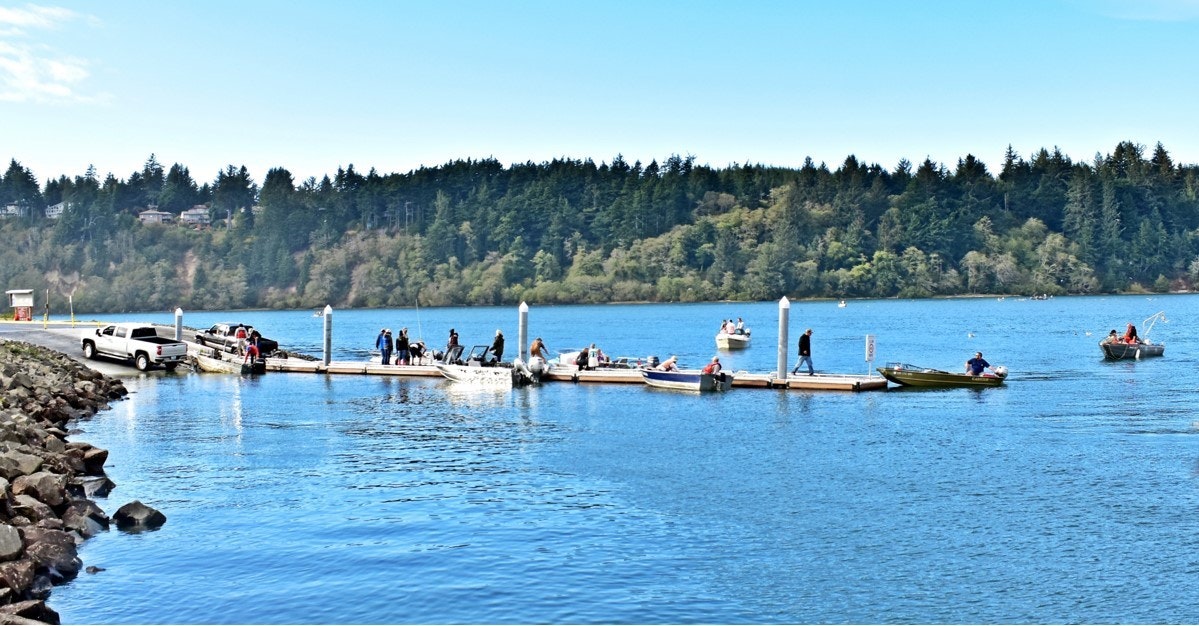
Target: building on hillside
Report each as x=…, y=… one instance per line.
x=196, y=216
x=13, y=210
x=54, y=211
x=152, y=216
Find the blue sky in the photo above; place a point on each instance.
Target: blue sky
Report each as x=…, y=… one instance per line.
x=313, y=86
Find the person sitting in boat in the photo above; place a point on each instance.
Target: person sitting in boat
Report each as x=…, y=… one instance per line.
x=670, y=365
x=975, y=366
x=740, y=328
x=1112, y=337
x=1130, y=334
x=729, y=327
x=713, y=367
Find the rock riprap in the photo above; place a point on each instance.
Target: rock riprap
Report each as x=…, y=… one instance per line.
x=46, y=481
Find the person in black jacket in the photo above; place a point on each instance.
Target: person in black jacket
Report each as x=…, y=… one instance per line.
x=497, y=346
x=805, y=352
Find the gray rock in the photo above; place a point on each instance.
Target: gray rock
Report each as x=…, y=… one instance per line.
x=11, y=544
x=50, y=488
x=14, y=463
x=53, y=550
x=137, y=516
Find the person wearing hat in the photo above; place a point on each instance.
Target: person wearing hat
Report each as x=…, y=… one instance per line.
x=497, y=346
x=670, y=365
x=713, y=367
x=385, y=345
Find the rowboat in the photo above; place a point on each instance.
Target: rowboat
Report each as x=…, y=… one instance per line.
x=1115, y=349
x=688, y=380
x=916, y=376
x=732, y=341
x=233, y=365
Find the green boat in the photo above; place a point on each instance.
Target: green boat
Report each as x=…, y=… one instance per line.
x=916, y=376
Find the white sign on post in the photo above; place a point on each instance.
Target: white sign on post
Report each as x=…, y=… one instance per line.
x=869, y=348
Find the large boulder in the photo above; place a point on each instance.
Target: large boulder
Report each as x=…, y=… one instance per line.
x=53, y=551
x=11, y=544
x=17, y=575
x=14, y=463
x=45, y=486
x=137, y=516
x=85, y=517
x=35, y=610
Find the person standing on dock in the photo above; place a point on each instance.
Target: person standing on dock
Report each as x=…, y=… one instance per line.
x=805, y=352
x=385, y=344
x=402, y=347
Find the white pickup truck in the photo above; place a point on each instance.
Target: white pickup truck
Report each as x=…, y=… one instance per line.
x=138, y=343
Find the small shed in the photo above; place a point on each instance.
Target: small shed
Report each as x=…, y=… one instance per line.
x=21, y=301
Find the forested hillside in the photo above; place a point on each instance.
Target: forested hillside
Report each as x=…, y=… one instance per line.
x=568, y=231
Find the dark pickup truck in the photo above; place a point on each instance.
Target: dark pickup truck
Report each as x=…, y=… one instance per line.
x=224, y=337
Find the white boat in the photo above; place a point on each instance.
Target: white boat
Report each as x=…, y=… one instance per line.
x=232, y=365
x=736, y=340
x=476, y=374
x=688, y=380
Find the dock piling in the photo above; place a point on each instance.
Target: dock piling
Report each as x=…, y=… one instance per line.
x=784, y=322
x=328, y=343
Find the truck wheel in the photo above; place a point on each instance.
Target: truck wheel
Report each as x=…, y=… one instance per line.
x=142, y=362
x=171, y=366
x=89, y=350
x=200, y=340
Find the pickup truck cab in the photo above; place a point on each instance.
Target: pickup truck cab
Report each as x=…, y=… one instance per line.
x=223, y=336
x=136, y=343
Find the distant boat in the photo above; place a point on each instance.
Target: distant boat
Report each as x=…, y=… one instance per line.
x=688, y=380
x=736, y=340
x=841, y=304
x=916, y=376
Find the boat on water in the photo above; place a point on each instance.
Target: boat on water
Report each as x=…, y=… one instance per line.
x=736, y=340
x=688, y=380
x=1130, y=346
x=916, y=376
x=482, y=368
x=231, y=365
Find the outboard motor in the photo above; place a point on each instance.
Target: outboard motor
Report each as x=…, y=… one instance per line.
x=651, y=361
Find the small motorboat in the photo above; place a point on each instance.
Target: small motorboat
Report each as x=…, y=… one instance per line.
x=735, y=340
x=688, y=380
x=231, y=365
x=916, y=376
x=483, y=369
x=1116, y=348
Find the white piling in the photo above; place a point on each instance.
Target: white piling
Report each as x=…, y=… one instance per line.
x=784, y=321
x=522, y=332
x=178, y=323
x=328, y=334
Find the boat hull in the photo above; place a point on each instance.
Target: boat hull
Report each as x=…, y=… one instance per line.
x=726, y=341
x=228, y=366
x=483, y=376
x=688, y=381
x=1117, y=351
x=923, y=377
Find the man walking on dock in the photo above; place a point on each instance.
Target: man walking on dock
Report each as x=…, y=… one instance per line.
x=805, y=352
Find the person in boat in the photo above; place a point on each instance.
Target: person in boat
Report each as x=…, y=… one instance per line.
x=805, y=352
x=670, y=365
x=713, y=367
x=497, y=346
x=1130, y=334
x=740, y=328
x=453, y=340
x=1112, y=337
x=538, y=349
x=975, y=366
x=729, y=327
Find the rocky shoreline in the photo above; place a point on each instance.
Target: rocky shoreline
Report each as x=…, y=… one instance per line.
x=47, y=481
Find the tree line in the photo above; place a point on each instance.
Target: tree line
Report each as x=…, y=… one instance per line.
x=474, y=232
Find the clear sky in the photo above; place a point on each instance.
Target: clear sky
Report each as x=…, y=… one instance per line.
x=394, y=85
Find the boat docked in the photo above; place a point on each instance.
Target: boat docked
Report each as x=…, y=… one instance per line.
x=1131, y=346
x=916, y=376
x=483, y=369
x=736, y=340
x=688, y=380
x=231, y=365
x=477, y=374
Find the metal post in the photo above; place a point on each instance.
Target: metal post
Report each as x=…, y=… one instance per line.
x=328, y=335
x=784, y=321
x=522, y=332
x=178, y=324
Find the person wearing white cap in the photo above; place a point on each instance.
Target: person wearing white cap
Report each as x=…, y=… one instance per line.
x=497, y=347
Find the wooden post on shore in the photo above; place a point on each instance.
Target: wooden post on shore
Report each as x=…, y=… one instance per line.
x=179, y=324
x=522, y=333
x=784, y=322
x=328, y=335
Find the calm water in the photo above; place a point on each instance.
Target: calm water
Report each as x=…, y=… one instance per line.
x=1070, y=495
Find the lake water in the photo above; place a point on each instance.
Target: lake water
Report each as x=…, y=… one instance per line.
x=1069, y=495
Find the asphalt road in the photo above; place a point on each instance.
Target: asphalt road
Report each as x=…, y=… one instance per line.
x=66, y=341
